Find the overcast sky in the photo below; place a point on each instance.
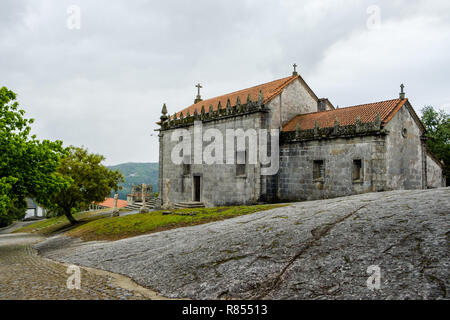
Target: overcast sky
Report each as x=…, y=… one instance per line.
x=103, y=85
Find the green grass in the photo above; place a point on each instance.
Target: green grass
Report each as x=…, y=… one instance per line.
x=114, y=228
x=51, y=225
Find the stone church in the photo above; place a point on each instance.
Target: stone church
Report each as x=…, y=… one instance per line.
x=324, y=152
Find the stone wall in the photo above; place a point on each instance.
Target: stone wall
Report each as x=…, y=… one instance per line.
x=434, y=174
x=405, y=153
x=295, y=99
x=295, y=179
x=219, y=183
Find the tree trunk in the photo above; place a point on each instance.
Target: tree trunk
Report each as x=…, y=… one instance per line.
x=69, y=217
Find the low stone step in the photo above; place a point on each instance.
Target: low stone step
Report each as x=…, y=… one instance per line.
x=137, y=205
x=189, y=204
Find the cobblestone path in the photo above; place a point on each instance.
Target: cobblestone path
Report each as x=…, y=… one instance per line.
x=25, y=275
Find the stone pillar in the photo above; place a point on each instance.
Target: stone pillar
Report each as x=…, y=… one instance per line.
x=167, y=204
x=144, y=207
x=161, y=166
x=115, y=212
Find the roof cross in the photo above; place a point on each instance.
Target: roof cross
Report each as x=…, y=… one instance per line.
x=402, y=93
x=295, y=69
x=198, y=88
x=198, y=98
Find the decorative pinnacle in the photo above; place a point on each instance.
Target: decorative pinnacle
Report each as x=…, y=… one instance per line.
x=260, y=98
x=295, y=69
x=164, y=116
x=402, y=92
x=198, y=98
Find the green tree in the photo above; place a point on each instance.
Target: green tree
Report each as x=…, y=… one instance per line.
x=27, y=165
x=437, y=124
x=90, y=181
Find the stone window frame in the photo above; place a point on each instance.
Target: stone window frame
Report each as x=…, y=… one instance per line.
x=320, y=170
x=187, y=168
x=241, y=168
x=361, y=170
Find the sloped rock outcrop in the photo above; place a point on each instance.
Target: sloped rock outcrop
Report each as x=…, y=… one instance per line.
x=308, y=250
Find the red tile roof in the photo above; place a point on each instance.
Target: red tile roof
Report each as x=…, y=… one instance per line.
x=109, y=203
x=347, y=116
x=269, y=90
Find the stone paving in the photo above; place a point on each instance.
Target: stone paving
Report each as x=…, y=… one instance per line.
x=25, y=275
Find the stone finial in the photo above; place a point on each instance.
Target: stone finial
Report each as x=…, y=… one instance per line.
x=249, y=99
x=228, y=106
x=203, y=110
x=378, y=120
x=238, y=101
x=164, y=109
x=175, y=116
x=336, y=126
x=198, y=98
x=336, y=122
x=188, y=114
x=402, y=92
x=164, y=116
x=297, y=130
x=358, y=124
x=260, y=98
x=316, y=128
x=219, y=107
x=195, y=113
x=294, y=73
x=210, y=111
x=181, y=115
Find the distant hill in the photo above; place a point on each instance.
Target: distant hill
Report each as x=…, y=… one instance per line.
x=137, y=173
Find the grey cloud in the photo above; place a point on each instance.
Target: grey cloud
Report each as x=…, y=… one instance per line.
x=103, y=86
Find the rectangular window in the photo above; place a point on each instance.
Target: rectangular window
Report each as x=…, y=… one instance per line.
x=186, y=165
x=240, y=163
x=318, y=170
x=357, y=170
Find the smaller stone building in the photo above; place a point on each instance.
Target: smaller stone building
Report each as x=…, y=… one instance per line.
x=372, y=147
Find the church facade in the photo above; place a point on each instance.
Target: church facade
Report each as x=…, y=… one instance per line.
x=323, y=152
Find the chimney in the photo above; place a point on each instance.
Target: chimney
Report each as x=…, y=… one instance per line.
x=322, y=104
